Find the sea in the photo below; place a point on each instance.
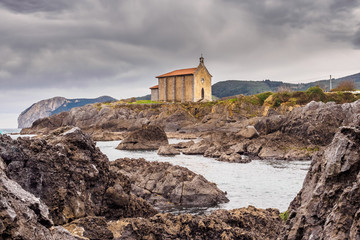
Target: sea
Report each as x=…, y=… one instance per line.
x=10, y=130
x=260, y=183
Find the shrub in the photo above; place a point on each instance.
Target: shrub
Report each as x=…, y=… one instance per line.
x=346, y=85
x=316, y=94
x=263, y=96
x=284, y=215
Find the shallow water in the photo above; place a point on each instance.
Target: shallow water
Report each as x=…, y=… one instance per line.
x=261, y=183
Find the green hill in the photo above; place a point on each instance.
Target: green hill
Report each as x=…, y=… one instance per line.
x=236, y=87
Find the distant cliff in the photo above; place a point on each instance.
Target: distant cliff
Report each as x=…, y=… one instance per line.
x=48, y=107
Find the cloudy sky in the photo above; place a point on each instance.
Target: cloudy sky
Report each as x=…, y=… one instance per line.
x=89, y=48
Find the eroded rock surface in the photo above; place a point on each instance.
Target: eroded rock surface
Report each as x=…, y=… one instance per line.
x=328, y=205
x=146, y=138
x=71, y=176
x=168, y=150
x=24, y=216
x=243, y=223
x=165, y=185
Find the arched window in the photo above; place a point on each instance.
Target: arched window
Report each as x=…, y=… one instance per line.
x=202, y=93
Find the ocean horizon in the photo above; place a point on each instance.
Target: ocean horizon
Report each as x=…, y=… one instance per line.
x=9, y=130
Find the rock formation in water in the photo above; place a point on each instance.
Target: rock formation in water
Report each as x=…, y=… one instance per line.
x=146, y=138
x=48, y=107
x=71, y=176
x=328, y=205
x=164, y=185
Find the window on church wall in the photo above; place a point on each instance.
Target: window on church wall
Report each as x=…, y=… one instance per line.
x=202, y=80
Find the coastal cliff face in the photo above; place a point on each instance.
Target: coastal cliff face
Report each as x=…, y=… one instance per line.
x=328, y=205
x=48, y=107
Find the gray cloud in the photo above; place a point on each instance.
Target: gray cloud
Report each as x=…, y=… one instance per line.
x=30, y=6
x=66, y=44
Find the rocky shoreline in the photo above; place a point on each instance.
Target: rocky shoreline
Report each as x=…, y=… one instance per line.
x=290, y=134
x=62, y=186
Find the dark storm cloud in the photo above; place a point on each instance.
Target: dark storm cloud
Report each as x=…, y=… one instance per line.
x=74, y=43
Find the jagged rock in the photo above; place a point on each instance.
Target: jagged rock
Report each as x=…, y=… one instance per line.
x=165, y=185
x=239, y=148
x=71, y=176
x=328, y=205
x=197, y=148
x=234, y=158
x=243, y=223
x=168, y=150
x=146, y=138
x=24, y=216
x=213, y=152
x=249, y=132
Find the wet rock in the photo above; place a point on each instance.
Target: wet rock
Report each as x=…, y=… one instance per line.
x=146, y=138
x=249, y=132
x=71, y=175
x=165, y=185
x=234, y=158
x=327, y=207
x=168, y=150
x=197, y=148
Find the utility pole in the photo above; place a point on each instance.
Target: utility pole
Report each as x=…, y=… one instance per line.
x=330, y=84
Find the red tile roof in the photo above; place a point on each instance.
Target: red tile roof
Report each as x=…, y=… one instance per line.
x=187, y=71
x=155, y=87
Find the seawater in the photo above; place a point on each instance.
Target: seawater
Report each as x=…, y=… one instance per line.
x=9, y=130
x=260, y=183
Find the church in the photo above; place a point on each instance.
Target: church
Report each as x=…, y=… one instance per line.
x=183, y=85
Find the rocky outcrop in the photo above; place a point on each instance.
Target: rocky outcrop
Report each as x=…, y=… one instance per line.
x=198, y=148
x=168, y=150
x=316, y=122
x=71, y=176
x=328, y=205
x=164, y=185
x=243, y=223
x=48, y=107
x=146, y=138
x=24, y=216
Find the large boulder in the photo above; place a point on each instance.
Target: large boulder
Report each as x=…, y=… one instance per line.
x=146, y=138
x=165, y=185
x=249, y=132
x=71, y=176
x=328, y=205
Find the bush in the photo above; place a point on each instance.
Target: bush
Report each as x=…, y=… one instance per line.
x=346, y=85
x=315, y=94
x=263, y=96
